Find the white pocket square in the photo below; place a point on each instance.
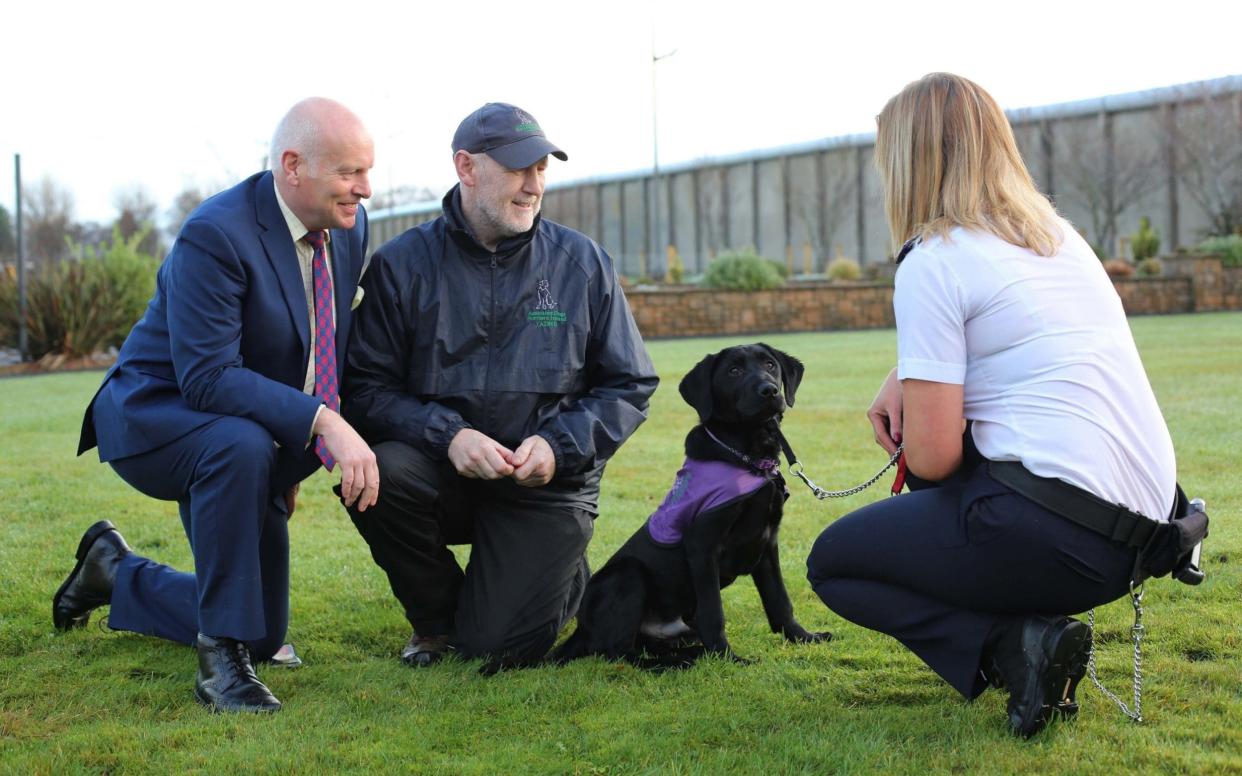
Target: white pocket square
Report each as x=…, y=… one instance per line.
x=358, y=294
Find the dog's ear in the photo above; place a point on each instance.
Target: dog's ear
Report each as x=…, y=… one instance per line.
x=696, y=387
x=791, y=371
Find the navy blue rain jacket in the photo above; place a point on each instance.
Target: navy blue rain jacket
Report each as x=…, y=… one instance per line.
x=536, y=338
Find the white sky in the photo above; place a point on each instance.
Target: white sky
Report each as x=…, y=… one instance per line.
x=103, y=96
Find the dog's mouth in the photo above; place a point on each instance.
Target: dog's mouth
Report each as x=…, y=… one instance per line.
x=762, y=409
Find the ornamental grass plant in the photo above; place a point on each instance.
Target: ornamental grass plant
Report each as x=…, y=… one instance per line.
x=1228, y=248
x=743, y=271
x=79, y=306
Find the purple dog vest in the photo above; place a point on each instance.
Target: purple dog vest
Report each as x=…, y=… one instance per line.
x=701, y=486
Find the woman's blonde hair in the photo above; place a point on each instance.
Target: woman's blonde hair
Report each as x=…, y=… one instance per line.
x=947, y=158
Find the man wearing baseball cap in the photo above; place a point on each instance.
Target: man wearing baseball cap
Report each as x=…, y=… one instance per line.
x=494, y=368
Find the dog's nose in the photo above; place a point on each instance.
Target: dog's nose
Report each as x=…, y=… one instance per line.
x=768, y=390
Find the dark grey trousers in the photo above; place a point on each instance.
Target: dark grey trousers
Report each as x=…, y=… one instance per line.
x=527, y=567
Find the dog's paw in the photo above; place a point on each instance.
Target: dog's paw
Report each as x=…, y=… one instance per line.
x=799, y=635
x=736, y=658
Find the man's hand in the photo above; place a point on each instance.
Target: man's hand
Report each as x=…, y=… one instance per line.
x=479, y=457
x=885, y=413
x=359, y=472
x=291, y=500
x=534, y=462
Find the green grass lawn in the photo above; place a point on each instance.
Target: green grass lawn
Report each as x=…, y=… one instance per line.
x=98, y=701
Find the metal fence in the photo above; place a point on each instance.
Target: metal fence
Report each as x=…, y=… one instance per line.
x=1106, y=162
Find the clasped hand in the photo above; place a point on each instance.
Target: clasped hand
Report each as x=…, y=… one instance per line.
x=478, y=456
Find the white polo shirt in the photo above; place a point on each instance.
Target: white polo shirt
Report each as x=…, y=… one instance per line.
x=1050, y=373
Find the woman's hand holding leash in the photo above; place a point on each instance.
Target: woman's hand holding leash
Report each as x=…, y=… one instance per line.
x=885, y=413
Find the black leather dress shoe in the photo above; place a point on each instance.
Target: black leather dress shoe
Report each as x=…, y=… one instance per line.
x=226, y=680
x=1042, y=678
x=421, y=651
x=89, y=585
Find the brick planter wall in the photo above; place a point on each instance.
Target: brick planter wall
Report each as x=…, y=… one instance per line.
x=1156, y=296
x=1231, y=288
x=1189, y=285
x=695, y=312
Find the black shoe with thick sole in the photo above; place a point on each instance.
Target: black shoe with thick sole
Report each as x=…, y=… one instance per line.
x=89, y=585
x=1054, y=660
x=422, y=651
x=1065, y=708
x=226, y=680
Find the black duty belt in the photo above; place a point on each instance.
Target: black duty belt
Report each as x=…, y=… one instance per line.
x=1116, y=521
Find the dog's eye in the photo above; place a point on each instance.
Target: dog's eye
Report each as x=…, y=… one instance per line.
x=771, y=365
x=735, y=370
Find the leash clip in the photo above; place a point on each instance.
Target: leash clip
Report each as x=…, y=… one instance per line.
x=796, y=469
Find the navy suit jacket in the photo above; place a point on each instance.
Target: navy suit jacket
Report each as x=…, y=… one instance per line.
x=227, y=332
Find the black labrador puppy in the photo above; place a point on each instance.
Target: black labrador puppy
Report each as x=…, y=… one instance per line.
x=718, y=522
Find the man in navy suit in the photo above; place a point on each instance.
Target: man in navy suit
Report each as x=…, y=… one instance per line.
x=224, y=397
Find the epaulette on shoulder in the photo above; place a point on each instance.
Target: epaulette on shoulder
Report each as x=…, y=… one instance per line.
x=909, y=246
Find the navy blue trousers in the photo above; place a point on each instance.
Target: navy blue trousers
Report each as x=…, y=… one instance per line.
x=228, y=479
x=939, y=567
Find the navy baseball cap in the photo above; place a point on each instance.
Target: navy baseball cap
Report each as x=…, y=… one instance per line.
x=506, y=133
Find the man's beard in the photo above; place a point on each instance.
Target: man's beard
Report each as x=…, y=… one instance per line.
x=502, y=226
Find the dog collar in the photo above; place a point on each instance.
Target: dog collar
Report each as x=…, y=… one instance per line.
x=768, y=466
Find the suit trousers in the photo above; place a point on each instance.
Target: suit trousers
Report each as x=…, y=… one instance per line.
x=940, y=567
x=527, y=568
x=228, y=479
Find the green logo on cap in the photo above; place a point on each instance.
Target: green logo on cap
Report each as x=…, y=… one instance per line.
x=528, y=126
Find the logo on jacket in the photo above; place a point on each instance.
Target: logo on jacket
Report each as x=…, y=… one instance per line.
x=546, y=302
x=545, y=313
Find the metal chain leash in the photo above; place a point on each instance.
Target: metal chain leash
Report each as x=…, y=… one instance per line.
x=1136, y=598
x=796, y=470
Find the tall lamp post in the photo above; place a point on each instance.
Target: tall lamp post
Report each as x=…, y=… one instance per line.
x=22, y=344
x=657, y=240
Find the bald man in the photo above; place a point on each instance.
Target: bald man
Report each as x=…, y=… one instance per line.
x=224, y=397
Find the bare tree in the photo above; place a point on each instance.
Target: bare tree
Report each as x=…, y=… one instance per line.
x=89, y=233
x=1106, y=170
x=48, y=221
x=1207, y=148
x=135, y=213
x=8, y=240
x=401, y=195
x=819, y=203
x=712, y=208
x=183, y=205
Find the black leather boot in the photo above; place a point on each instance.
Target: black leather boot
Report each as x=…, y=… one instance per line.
x=89, y=585
x=1041, y=661
x=226, y=680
